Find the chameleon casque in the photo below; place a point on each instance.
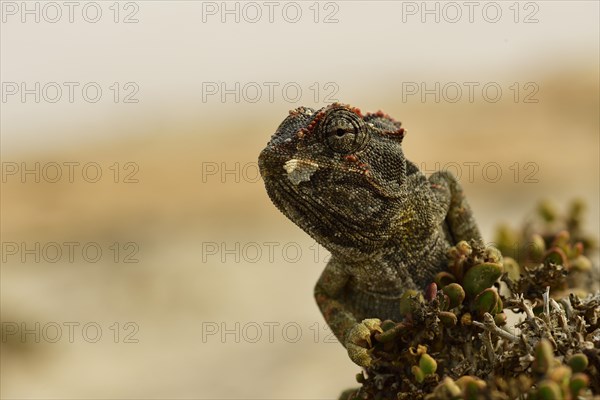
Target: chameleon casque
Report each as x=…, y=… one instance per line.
x=342, y=177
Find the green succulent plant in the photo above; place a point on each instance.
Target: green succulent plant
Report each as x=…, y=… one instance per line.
x=458, y=341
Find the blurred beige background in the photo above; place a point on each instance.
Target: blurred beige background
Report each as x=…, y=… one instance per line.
x=219, y=303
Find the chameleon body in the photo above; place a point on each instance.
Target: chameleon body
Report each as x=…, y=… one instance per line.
x=342, y=177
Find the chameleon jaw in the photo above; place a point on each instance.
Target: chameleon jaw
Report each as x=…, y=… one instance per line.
x=300, y=170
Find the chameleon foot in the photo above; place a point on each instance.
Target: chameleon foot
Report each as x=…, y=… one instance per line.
x=358, y=341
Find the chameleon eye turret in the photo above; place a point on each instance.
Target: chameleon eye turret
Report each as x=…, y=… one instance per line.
x=344, y=131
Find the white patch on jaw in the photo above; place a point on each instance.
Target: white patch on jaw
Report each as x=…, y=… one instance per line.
x=299, y=170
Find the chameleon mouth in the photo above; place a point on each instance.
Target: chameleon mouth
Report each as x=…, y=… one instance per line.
x=316, y=219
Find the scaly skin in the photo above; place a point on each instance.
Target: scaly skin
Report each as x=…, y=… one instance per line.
x=342, y=177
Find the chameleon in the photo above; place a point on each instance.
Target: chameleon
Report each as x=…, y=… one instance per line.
x=342, y=177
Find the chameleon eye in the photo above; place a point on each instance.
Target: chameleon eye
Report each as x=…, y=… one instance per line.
x=343, y=132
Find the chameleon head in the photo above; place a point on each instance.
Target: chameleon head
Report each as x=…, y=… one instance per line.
x=337, y=174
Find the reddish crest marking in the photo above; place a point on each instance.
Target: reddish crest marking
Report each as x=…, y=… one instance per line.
x=381, y=114
x=399, y=132
x=356, y=111
x=351, y=158
x=320, y=115
x=299, y=110
x=348, y=107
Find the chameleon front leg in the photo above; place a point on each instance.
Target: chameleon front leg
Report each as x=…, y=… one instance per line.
x=354, y=336
x=459, y=216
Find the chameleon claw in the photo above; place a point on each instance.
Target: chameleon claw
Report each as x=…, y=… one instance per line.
x=359, y=355
x=358, y=341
